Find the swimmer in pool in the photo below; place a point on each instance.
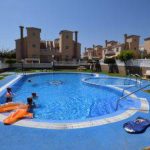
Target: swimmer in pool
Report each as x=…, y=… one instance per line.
x=31, y=104
x=29, y=80
x=9, y=95
x=34, y=96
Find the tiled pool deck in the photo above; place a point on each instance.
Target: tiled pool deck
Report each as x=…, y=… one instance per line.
x=103, y=137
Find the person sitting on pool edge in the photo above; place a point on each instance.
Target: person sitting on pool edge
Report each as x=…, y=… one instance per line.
x=31, y=104
x=9, y=95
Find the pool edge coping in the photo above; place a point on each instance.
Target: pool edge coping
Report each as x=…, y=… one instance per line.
x=144, y=105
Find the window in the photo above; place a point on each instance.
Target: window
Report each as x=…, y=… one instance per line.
x=66, y=58
x=67, y=36
x=135, y=48
x=117, y=49
x=33, y=45
x=67, y=47
x=35, y=61
x=33, y=34
x=34, y=56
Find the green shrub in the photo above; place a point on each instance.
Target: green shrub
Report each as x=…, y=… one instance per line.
x=10, y=61
x=126, y=55
x=109, y=61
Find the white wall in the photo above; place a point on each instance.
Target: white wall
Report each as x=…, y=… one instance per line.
x=3, y=65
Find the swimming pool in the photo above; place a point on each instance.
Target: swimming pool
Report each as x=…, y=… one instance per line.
x=66, y=101
x=65, y=97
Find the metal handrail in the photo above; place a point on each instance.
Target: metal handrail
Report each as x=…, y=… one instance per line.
x=138, y=77
x=129, y=77
x=125, y=89
x=130, y=94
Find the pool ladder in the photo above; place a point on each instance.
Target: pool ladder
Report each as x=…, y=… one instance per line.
x=123, y=97
x=137, y=76
x=22, y=71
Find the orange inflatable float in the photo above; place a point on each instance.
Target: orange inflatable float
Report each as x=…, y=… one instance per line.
x=9, y=106
x=17, y=115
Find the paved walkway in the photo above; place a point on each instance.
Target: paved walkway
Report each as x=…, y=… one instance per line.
x=105, y=137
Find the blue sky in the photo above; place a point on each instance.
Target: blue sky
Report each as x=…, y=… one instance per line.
x=96, y=20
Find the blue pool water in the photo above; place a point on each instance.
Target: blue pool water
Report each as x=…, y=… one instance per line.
x=65, y=97
x=111, y=81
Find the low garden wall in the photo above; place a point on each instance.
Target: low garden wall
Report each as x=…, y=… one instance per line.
x=122, y=69
x=3, y=67
x=134, y=66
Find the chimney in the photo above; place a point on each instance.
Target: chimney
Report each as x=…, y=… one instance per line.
x=76, y=44
x=85, y=49
x=51, y=43
x=76, y=36
x=106, y=43
x=125, y=38
x=125, y=41
x=22, y=41
x=93, y=46
x=21, y=32
x=48, y=44
x=93, y=50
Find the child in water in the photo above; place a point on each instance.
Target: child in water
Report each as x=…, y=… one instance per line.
x=31, y=104
x=29, y=80
x=9, y=95
x=34, y=96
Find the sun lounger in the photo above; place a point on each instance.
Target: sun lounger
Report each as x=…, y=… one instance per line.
x=147, y=74
x=81, y=68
